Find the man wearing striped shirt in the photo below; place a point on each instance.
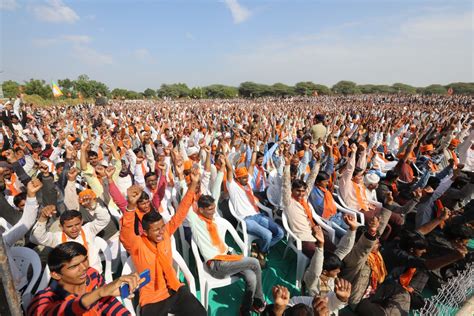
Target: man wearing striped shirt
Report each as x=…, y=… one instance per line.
x=76, y=288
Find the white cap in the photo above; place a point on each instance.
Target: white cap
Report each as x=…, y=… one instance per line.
x=371, y=178
x=192, y=151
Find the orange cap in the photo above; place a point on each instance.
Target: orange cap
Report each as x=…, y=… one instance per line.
x=241, y=172
x=188, y=164
x=455, y=142
x=87, y=193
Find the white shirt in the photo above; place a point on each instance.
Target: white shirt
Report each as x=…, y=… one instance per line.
x=239, y=199
x=102, y=217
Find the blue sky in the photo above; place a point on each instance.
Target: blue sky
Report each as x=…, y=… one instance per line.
x=144, y=43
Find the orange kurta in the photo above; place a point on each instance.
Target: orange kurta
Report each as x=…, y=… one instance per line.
x=144, y=258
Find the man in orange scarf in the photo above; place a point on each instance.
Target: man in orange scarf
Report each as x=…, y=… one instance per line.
x=219, y=257
x=152, y=250
x=245, y=206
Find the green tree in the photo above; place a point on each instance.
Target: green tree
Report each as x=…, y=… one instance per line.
x=10, y=88
x=250, y=89
x=175, y=90
x=282, y=90
x=403, y=88
x=219, y=91
x=308, y=88
x=119, y=93
x=89, y=88
x=434, y=89
x=149, y=93
x=458, y=87
x=38, y=87
x=345, y=87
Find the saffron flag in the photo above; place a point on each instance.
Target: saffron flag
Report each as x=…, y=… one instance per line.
x=56, y=91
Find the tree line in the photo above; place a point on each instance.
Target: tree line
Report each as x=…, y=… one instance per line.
x=84, y=87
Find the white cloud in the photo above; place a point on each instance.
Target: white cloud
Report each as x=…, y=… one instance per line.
x=77, y=39
x=44, y=42
x=55, y=11
x=90, y=56
x=418, y=51
x=142, y=54
x=239, y=13
x=8, y=5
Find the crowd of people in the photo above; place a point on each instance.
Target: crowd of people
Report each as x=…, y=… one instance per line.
x=375, y=192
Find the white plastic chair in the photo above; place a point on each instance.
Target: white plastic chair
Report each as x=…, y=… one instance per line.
x=107, y=256
x=343, y=206
x=6, y=225
x=296, y=245
x=45, y=278
x=206, y=281
x=24, y=257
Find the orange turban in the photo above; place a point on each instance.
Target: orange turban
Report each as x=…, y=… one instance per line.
x=188, y=164
x=426, y=148
x=241, y=172
x=87, y=193
x=455, y=142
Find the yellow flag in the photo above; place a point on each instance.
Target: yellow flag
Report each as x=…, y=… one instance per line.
x=56, y=91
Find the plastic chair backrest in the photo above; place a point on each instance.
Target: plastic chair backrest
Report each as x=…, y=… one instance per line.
x=6, y=225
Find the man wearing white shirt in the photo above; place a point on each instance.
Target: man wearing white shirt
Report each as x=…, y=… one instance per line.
x=73, y=230
x=244, y=202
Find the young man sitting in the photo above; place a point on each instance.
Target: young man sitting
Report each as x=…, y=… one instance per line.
x=244, y=202
x=152, y=250
x=219, y=258
x=72, y=228
x=76, y=288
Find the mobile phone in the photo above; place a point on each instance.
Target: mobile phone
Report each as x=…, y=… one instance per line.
x=125, y=288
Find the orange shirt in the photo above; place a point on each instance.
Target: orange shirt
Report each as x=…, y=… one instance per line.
x=144, y=258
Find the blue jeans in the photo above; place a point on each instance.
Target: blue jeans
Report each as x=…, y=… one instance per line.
x=338, y=219
x=268, y=232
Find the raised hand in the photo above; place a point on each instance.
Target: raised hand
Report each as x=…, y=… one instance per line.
x=195, y=176
x=318, y=234
x=320, y=306
x=72, y=174
x=47, y=212
x=33, y=187
x=374, y=225
x=342, y=289
x=133, y=194
x=351, y=222
x=281, y=296
x=109, y=172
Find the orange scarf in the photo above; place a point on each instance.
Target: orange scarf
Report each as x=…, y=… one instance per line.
x=455, y=157
x=405, y=279
x=169, y=274
x=217, y=241
x=330, y=207
x=260, y=177
x=143, y=165
x=307, y=209
x=83, y=236
x=394, y=188
x=11, y=185
x=379, y=272
x=439, y=210
x=250, y=196
x=361, y=197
